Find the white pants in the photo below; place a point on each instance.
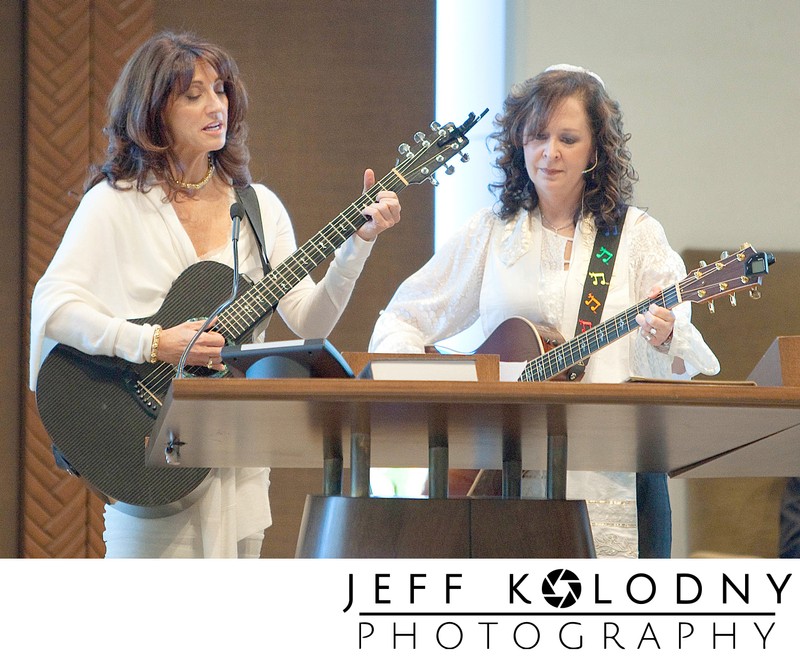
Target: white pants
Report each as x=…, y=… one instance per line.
x=228, y=521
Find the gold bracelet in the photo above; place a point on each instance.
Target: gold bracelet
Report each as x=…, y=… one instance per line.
x=154, y=346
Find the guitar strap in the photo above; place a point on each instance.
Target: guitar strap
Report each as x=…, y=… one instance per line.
x=595, y=287
x=249, y=200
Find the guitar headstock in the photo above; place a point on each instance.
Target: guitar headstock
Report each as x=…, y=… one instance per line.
x=418, y=164
x=741, y=270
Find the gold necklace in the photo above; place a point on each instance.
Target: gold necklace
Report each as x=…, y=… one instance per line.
x=197, y=185
x=551, y=226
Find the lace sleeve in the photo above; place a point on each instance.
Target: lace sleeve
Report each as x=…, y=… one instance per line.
x=653, y=262
x=440, y=299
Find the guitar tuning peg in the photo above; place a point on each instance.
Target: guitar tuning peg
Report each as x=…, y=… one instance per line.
x=404, y=149
x=711, y=307
x=449, y=169
x=419, y=137
x=755, y=293
x=435, y=125
x=703, y=263
x=433, y=181
x=733, y=299
x=464, y=156
x=723, y=255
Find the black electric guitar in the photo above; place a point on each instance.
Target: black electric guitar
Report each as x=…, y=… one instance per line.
x=548, y=356
x=99, y=410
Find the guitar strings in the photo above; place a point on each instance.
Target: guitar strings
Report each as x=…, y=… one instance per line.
x=564, y=356
x=555, y=361
x=290, y=272
x=278, y=282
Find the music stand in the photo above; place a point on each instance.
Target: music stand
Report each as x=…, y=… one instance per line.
x=286, y=359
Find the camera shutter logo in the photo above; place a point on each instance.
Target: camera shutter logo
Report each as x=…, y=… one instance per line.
x=561, y=588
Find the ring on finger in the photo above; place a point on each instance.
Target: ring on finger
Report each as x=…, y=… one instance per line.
x=210, y=363
x=653, y=331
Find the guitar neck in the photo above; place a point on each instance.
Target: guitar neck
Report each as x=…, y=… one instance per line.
x=260, y=300
x=238, y=320
x=559, y=359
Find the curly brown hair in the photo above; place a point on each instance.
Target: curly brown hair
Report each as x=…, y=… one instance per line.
x=528, y=108
x=140, y=147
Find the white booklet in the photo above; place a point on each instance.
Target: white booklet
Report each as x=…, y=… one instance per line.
x=420, y=369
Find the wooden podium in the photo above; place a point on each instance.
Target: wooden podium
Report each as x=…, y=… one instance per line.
x=678, y=428
x=776, y=454
x=780, y=365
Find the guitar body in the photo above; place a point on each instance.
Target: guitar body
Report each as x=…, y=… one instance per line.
x=517, y=340
x=99, y=416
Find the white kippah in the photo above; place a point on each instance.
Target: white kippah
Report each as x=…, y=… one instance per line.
x=576, y=69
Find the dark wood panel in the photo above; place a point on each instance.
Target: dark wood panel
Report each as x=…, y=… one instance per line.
x=74, y=53
x=11, y=289
x=333, y=89
x=740, y=335
x=331, y=92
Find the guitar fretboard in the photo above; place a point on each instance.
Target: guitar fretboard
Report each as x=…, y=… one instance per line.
x=258, y=301
x=561, y=358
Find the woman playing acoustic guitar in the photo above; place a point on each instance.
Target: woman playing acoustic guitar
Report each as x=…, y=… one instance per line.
x=566, y=179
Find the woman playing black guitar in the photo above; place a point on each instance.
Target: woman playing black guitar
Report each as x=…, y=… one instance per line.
x=161, y=203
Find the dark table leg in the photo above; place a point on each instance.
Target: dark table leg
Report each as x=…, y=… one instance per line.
x=512, y=453
x=438, y=453
x=556, y=452
x=332, y=464
x=360, y=451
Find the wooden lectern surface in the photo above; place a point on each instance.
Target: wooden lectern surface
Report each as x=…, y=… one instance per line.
x=624, y=427
x=778, y=455
x=780, y=365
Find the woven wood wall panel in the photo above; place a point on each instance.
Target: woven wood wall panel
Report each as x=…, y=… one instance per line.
x=75, y=51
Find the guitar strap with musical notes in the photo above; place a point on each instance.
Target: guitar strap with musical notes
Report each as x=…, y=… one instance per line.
x=595, y=287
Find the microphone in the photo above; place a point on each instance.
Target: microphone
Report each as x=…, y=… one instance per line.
x=237, y=212
x=591, y=168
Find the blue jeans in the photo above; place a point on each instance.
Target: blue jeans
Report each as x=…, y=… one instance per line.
x=654, y=515
x=789, y=542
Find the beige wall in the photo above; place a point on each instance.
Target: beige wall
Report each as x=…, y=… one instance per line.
x=710, y=94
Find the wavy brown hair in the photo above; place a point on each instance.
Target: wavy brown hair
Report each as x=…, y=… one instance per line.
x=140, y=147
x=528, y=108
